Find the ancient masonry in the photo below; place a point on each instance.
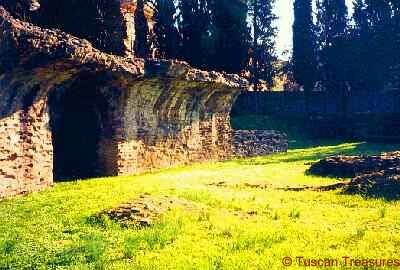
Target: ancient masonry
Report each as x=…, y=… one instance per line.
x=251, y=143
x=69, y=111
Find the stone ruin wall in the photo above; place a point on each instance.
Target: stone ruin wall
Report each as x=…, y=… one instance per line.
x=25, y=146
x=168, y=123
x=152, y=124
x=253, y=143
x=160, y=113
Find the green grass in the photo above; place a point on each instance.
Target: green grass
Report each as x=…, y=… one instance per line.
x=229, y=227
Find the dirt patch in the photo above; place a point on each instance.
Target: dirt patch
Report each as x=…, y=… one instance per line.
x=263, y=186
x=246, y=215
x=144, y=211
x=219, y=184
x=315, y=188
x=224, y=184
x=258, y=186
x=352, y=166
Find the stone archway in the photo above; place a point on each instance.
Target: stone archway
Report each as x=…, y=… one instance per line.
x=77, y=119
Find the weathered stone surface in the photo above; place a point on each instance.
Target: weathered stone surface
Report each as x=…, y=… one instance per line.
x=23, y=45
x=250, y=143
x=150, y=114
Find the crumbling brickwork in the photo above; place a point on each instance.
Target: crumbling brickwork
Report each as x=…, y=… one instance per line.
x=145, y=114
x=25, y=141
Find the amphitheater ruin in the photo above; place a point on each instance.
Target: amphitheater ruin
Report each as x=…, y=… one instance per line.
x=68, y=111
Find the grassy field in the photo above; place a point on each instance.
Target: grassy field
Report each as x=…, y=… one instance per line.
x=247, y=222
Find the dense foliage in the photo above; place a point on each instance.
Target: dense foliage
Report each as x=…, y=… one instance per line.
x=263, y=42
x=167, y=35
x=19, y=8
x=304, y=47
x=231, y=35
x=359, y=53
x=216, y=35
x=374, y=43
x=141, y=31
x=331, y=37
x=102, y=21
x=194, y=26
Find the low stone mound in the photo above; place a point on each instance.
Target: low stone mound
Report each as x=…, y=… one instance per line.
x=372, y=176
x=252, y=143
x=144, y=211
x=352, y=166
x=382, y=184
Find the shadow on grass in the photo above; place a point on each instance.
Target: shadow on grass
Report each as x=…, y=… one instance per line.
x=311, y=151
x=387, y=189
x=89, y=250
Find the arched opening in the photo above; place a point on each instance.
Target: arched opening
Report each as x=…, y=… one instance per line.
x=77, y=117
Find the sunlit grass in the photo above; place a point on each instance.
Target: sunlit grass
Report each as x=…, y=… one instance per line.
x=233, y=226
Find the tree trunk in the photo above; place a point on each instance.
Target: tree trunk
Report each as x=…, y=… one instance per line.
x=307, y=100
x=255, y=49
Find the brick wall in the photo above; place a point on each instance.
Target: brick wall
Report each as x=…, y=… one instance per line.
x=148, y=124
x=26, y=158
x=168, y=124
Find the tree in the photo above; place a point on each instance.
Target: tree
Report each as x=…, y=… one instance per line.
x=263, y=44
x=331, y=21
x=304, y=46
x=215, y=34
x=141, y=31
x=21, y=9
x=165, y=28
x=383, y=40
x=102, y=20
x=230, y=34
x=194, y=26
x=373, y=44
x=111, y=30
x=331, y=44
x=396, y=36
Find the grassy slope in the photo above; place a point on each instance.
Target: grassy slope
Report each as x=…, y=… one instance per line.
x=53, y=229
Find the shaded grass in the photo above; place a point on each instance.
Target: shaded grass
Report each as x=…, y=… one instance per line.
x=232, y=227
x=305, y=132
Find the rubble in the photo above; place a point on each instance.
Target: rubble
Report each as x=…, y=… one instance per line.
x=251, y=143
x=351, y=166
x=372, y=176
